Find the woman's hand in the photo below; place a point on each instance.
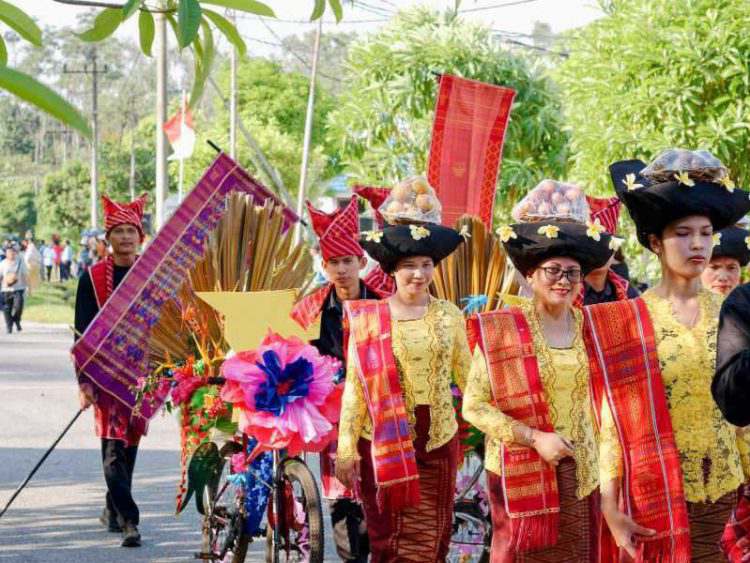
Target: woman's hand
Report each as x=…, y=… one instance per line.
x=624, y=530
x=347, y=471
x=552, y=447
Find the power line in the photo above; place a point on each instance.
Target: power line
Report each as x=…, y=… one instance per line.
x=342, y=22
x=495, y=6
x=296, y=55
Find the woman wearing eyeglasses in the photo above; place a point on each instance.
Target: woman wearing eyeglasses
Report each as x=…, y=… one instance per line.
x=528, y=391
x=670, y=465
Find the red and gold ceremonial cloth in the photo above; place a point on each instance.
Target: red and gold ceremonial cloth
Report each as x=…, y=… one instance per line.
x=393, y=455
x=467, y=143
x=625, y=372
x=530, y=490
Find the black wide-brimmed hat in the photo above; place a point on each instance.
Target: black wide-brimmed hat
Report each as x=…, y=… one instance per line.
x=396, y=242
x=733, y=244
x=652, y=206
x=530, y=244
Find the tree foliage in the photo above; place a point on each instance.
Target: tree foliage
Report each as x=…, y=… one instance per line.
x=654, y=75
x=60, y=206
x=384, y=115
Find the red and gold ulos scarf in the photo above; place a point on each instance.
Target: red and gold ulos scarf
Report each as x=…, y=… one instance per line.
x=393, y=456
x=529, y=483
x=625, y=371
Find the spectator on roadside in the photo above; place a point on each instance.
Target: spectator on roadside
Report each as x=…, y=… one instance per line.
x=66, y=260
x=48, y=259
x=33, y=260
x=13, y=284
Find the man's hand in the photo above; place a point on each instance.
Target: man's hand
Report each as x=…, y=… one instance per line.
x=85, y=397
x=347, y=471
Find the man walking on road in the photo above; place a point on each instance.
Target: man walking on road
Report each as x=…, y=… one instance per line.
x=119, y=433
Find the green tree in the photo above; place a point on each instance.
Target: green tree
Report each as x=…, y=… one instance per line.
x=17, y=203
x=61, y=207
x=384, y=116
x=653, y=75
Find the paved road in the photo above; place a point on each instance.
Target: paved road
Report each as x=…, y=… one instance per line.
x=55, y=517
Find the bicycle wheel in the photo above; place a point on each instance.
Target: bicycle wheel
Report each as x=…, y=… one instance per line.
x=295, y=528
x=472, y=525
x=224, y=538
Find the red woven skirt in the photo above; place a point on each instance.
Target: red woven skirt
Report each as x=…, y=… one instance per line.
x=422, y=533
x=578, y=524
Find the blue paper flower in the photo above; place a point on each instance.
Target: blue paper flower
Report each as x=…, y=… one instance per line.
x=284, y=385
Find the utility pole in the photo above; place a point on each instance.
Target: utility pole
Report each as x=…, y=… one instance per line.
x=162, y=179
x=233, y=96
x=308, y=131
x=94, y=71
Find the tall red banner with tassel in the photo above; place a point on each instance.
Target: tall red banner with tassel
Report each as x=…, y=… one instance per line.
x=467, y=144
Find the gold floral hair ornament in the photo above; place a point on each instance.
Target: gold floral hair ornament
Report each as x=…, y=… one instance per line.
x=615, y=243
x=728, y=183
x=630, y=182
x=506, y=233
x=373, y=236
x=549, y=231
x=418, y=232
x=594, y=230
x=747, y=242
x=464, y=232
x=684, y=178
x=717, y=239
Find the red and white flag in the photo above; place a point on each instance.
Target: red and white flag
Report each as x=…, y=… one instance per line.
x=181, y=134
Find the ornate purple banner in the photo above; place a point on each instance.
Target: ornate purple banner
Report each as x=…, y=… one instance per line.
x=113, y=351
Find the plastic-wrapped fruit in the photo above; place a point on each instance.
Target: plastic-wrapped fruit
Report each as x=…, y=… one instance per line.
x=547, y=186
x=420, y=186
x=700, y=165
x=401, y=192
x=563, y=209
x=395, y=206
x=544, y=208
x=557, y=197
x=572, y=194
x=425, y=202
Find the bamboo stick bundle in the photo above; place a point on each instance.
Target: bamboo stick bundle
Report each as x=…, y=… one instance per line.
x=246, y=252
x=477, y=267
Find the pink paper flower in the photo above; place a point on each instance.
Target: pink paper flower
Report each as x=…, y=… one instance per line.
x=285, y=393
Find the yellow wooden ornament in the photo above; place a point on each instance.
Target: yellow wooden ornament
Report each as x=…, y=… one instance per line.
x=248, y=316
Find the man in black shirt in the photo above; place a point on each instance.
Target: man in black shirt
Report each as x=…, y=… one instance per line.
x=343, y=258
x=119, y=433
x=731, y=384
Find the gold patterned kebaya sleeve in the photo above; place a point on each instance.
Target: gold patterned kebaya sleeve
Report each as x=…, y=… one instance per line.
x=610, y=451
x=353, y=409
x=461, y=354
x=477, y=405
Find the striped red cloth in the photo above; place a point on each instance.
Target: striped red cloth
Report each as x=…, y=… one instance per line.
x=467, y=144
x=529, y=483
x=625, y=371
x=338, y=232
x=393, y=455
x=607, y=210
x=117, y=213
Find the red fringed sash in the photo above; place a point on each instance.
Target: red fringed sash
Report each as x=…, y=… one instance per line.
x=529, y=483
x=625, y=370
x=393, y=458
x=103, y=279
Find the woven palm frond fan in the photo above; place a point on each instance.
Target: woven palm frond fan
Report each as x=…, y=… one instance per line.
x=248, y=251
x=478, y=273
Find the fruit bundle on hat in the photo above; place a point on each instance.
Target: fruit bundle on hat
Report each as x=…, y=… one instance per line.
x=337, y=231
x=117, y=213
x=553, y=221
x=677, y=184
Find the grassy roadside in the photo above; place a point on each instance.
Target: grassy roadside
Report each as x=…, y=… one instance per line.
x=51, y=303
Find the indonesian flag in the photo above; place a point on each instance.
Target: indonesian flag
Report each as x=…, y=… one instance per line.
x=181, y=134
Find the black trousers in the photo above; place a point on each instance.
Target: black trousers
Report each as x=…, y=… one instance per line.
x=349, y=530
x=118, y=461
x=13, y=308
